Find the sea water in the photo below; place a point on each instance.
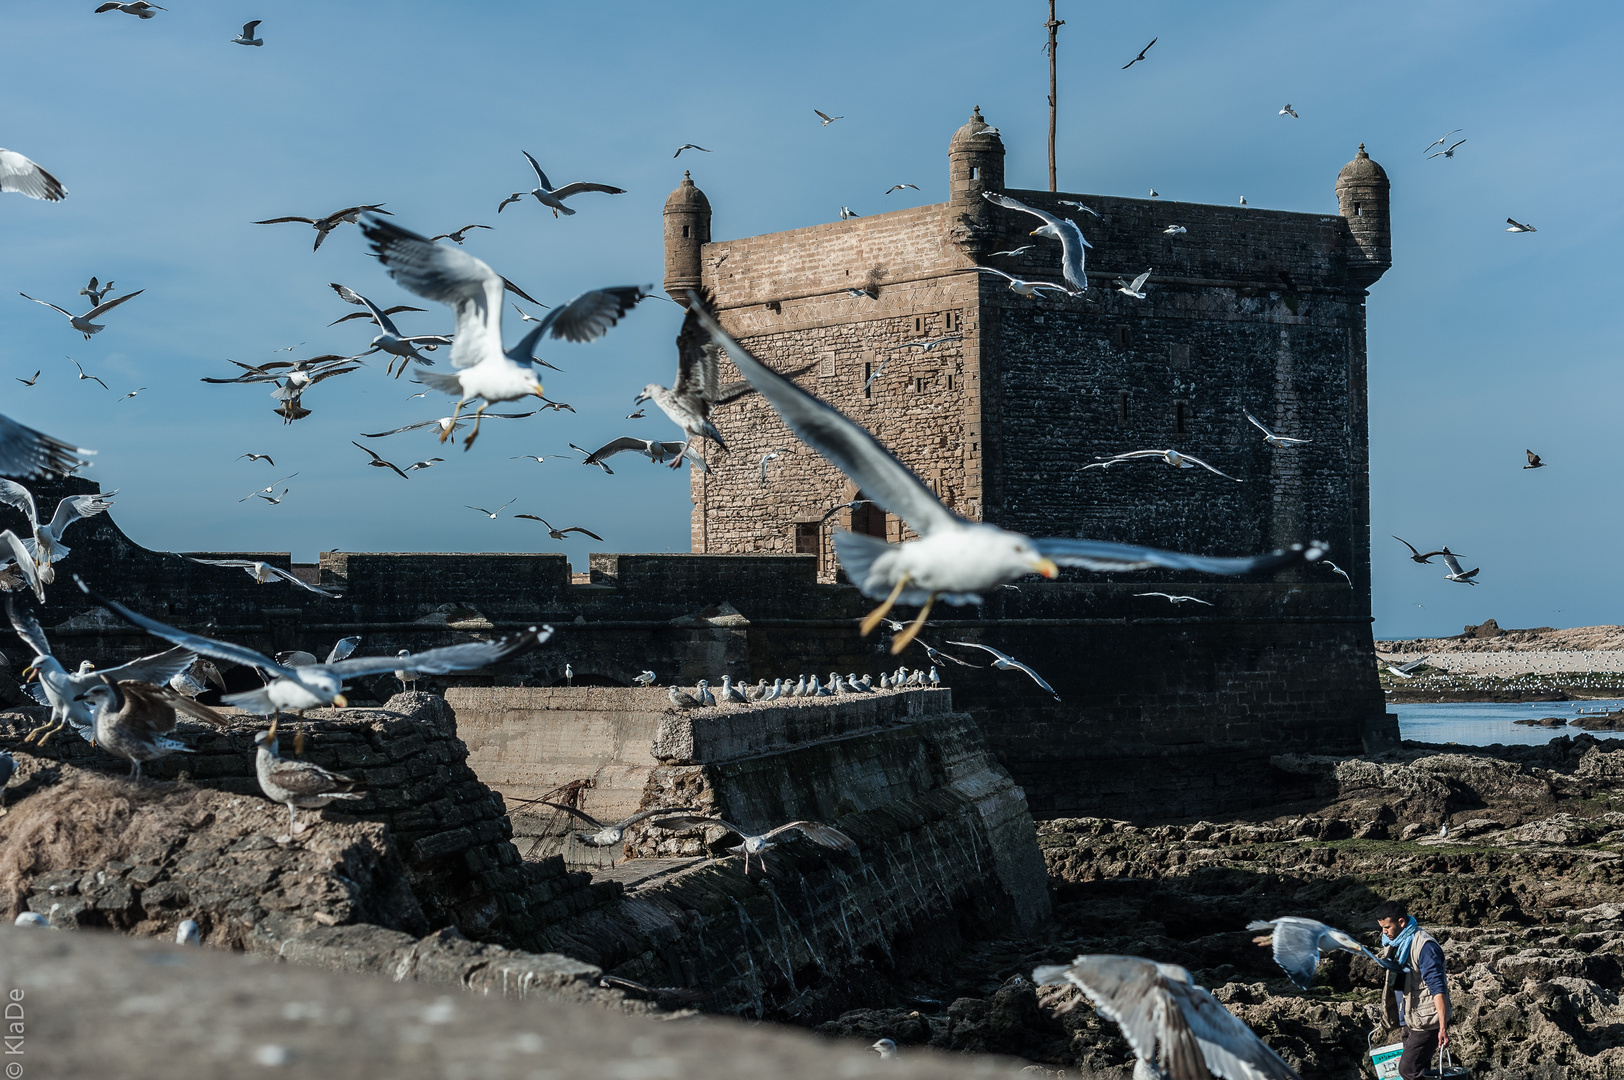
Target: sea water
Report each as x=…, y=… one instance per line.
x=1484, y=723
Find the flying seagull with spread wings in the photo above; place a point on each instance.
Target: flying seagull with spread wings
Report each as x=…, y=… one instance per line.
x=20, y=174
x=139, y=8
x=448, y=425
x=826, y=118
x=45, y=544
x=1072, y=244
x=457, y=236
x=1141, y=55
x=561, y=534
x=1276, y=442
x=1005, y=662
x=1447, y=153
x=1298, y=943
x=607, y=835
x=552, y=197
x=1174, y=458
x=697, y=390
x=1455, y=572
x=1534, y=461
x=954, y=560
x=1136, y=287
x=263, y=572
x=1513, y=225
x=757, y=844
x=401, y=347
x=1023, y=287
x=1417, y=556
x=31, y=454
x=653, y=449
x=83, y=323
x=1443, y=140
x=250, y=37
x=325, y=225
x=378, y=462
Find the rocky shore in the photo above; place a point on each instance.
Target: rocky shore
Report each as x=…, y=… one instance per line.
x=1487, y=663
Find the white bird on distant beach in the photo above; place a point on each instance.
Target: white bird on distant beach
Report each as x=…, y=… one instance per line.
x=1298, y=943
x=1005, y=662
x=1172, y=457
x=1278, y=442
x=1070, y=236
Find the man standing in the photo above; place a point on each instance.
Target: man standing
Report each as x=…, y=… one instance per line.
x=1416, y=998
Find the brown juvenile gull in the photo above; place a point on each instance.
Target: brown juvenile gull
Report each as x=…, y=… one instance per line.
x=552, y=197
x=298, y=785
x=134, y=719
x=826, y=836
x=954, y=560
x=1177, y=1030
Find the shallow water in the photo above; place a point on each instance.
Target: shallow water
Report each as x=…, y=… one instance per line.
x=1485, y=723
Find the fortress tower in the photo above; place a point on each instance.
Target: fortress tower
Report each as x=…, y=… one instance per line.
x=687, y=230
x=1362, y=198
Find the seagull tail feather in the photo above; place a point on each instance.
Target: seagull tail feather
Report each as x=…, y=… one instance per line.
x=445, y=383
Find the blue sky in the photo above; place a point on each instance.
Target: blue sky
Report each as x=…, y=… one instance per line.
x=171, y=141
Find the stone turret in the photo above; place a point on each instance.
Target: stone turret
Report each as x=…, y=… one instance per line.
x=1362, y=197
x=975, y=163
x=687, y=229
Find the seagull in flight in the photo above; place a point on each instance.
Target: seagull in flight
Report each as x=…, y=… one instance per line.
x=325, y=225
x=1455, y=572
x=448, y=425
x=1005, y=662
x=1416, y=556
x=1335, y=569
x=32, y=381
x=1533, y=459
x=1173, y=458
x=350, y=296
x=552, y=197
x=1079, y=206
x=826, y=836
x=401, y=347
x=1445, y=139
x=1174, y=230
x=1023, y=287
x=1446, y=153
x=769, y=456
x=492, y=514
x=457, y=236
x=559, y=534
x=262, y=572
x=656, y=451
x=1136, y=287
x=1022, y=250
x=429, y=464
x=537, y=458
x=1070, y=236
x=94, y=293
x=1175, y=1028
x=899, y=187
x=1406, y=671
x=1289, y=111
x=256, y=457
x=380, y=463
x=131, y=394
x=826, y=118
x=1141, y=55
x=697, y=390
x=1513, y=225
x=1176, y=600
x=474, y=291
x=247, y=36
x=269, y=489
x=44, y=543
x=83, y=323
x=87, y=378
x=1298, y=943
x=690, y=146
x=270, y=497
x=954, y=560
x=1276, y=442
x=140, y=9
x=20, y=174
x=30, y=454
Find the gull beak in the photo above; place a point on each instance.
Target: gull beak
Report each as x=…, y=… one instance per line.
x=538, y=392
x=30, y=673
x=1047, y=568
x=1034, y=232
x=271, y=734
x=639, y=399
x=341, y=701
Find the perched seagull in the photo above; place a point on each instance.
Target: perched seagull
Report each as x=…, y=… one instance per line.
x=1172, y=457
x=457, y=236
x=1289, y=111
x=682, y=699
x=560, y=534
x=325, y=225
x=1141, y=55
x=769, y=456
x=1022, y=287
x=645, y=678
x=83, y=323
x=493, y=514
x=448, y=425
x=268, y=489
x=1174, y=230
x=429, y=464
x=1533, y=459
x=954, y=560
x=1136, y=287
x=847, y=213
x=656, y=451
x=140, y=9
x=1416, y=556
x=32, y=918
x=1243, y=200
x=264, y=573
x=1022, y=250
x=1405, y=671
x=552, y=197
x=1070, y=236
x=899, y=187
x=1455, y=572
x=1517, y=226
x=187, y=933
x=87, y=378
x=1335, y=569
x=32, y=381
x=19, y=174
x=1298, y=943
x=297, y=785
x=474, y=291
x=380, y=463
x=45, y=544
x=826, y=118
x=1446, y=153
x=886, y=1048
x=256, y=457
x=689, y=146
x=1176, y=1029
x=1276, y=442
x=703, y=693
x=606, y=835
x=1445, y=139
x=826, y=836
x=247, y=36
x=134, y=719
x=1005, y=662
x=94, y=293
x=313, y=686
x=1176, y=600
x=1154, y=194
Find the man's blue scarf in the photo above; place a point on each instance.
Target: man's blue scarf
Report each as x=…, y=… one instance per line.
x=1401, y=946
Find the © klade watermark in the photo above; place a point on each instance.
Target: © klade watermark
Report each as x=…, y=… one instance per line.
x=13, y=1039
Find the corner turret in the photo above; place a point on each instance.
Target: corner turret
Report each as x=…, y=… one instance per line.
x=687, y=229
x=975, y=164
x=1362, y=197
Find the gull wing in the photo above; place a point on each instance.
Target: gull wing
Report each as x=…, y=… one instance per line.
x=280, y=220
x=48, y=304
x=385, y=323
x=343, y=648
x=249, y=27
x=1259, y=425
x=1228, y=1047
x=696, y=821
x=219, y=650
x=579, y=186
x=589, y=316
x=541, y=176
x=19, y=174
x=14, y=494
x=1135, y=995
x=111, y=304
x=307, y=778
x=1209, y=468
x=1139, y=282
x=31, y=454
x=1296, y=946
x=397, y=431
x=301, y=582
x=450, y=275
x=1451, y=562
x=995, y=270
x=985, y=648
x=25, y=562
x=27, y=627
x=876, y=471
x=1072, y=241
x=475, y=654
x=75, y=507
x=1104, y=555
x=156, y=669
x=823, y=835
x=329, y=373
x=620, y=445
x=237, y=564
